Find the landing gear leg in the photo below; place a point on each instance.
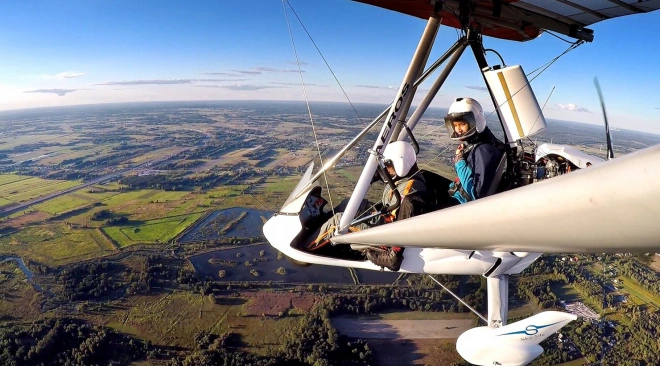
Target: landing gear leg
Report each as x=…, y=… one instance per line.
x=498, y=300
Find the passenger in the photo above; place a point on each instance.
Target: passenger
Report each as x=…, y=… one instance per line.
x=401, y=162
x=477, y=156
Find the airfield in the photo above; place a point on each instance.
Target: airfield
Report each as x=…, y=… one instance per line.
x=170, y=199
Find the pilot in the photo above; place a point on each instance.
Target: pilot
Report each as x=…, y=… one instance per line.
x=400, y=161
x=478, y=154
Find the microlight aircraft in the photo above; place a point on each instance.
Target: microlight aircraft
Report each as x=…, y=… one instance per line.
x=596, y=213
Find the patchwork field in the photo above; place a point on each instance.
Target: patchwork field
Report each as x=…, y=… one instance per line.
x=174, y=319
x=10, y=178
x=62, y=204
x=55, y=244
x=21, y=190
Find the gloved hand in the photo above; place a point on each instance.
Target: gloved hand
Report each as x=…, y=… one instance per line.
x=459, y=154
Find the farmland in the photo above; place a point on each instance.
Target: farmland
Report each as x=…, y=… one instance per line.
x=150, y=231
x=175, y=225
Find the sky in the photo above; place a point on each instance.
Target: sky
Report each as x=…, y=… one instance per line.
x=56, y=53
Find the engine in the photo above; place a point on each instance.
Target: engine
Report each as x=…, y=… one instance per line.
x=549, y=161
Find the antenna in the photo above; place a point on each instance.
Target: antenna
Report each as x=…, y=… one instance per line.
x=610, y=151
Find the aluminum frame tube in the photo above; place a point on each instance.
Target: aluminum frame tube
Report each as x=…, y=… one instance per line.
x=406, y=107
x=403, y=97
x=498, y=300
x=423, y=106
x=477, y=48
x=343, y=151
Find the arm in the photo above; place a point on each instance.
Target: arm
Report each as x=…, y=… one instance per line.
x=412, y=205
x=466, y=177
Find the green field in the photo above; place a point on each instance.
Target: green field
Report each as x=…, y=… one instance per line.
x=31, y=188
x=579, y=362
x=569, y=294
x=4, y=201
x=640, y=296
x=422, y=315
x=566, y=292
x=523, y=311
x=10, y=178
x=152, y=231
x=61, y=204
x=173, y=319
x=54, y=244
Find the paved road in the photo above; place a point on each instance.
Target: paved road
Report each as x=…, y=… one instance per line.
x=396, y=329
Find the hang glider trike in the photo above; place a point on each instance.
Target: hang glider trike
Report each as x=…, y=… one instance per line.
x=590, y=210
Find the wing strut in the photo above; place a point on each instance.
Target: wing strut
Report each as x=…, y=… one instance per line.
x=401, y=103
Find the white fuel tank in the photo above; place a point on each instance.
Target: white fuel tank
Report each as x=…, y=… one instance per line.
x=516, y=102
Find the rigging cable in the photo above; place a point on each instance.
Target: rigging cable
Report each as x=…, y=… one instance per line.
x=324, y=60
x=459, y=299
x=309, y=110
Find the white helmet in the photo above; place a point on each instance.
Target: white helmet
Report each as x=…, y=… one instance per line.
x=466, y=110
x=402, y=157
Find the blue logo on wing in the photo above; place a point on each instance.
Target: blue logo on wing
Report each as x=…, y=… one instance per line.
x=530, y=329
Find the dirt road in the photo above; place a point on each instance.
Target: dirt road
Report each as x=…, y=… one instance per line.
x=402, y=329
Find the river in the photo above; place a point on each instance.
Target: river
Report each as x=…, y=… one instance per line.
x=23, y=267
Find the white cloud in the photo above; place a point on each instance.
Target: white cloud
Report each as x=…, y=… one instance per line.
x=261, y=70
x=162, y=81
x=217, y=73
x=573, y=108
x=475, y=87
x=65, y=75
x=294, y=84
x=377, y=87
x=60, y=92
x=238, y=87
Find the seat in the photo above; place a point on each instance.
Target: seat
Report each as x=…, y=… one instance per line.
x=496, y=185
x=437, y=185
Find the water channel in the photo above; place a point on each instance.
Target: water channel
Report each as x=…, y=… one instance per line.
x=22, y=267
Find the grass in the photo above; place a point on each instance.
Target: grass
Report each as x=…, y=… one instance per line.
x=655, y=262
x=422, y=315
x=227, y=191
x=31, y=188
x=53, y=244
x=61, y=204
x=578, y=362
x=261, y=335
x=4, y=201
x=153, y=231
x=93, y=197
x=643, y=296
x=173, y=319
x=523, y=311
x=566, y=292
x=10, y=178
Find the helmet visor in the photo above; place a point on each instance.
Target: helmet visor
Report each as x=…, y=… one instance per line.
x=461, y=125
